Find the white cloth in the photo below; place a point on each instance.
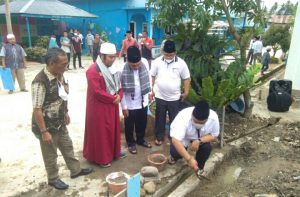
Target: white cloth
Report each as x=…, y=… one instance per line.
x=257, y=46
x=136, y=103
x=65, y=40
x=168, y=78
x=183, y=130
x=89, y=39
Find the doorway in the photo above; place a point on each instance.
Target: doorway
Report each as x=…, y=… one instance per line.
x=132, y=28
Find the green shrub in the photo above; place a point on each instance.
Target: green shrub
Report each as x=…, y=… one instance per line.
x=36, y=54
x=274, y=60
x=25, y=42
x=42, y=42
x=36, y=41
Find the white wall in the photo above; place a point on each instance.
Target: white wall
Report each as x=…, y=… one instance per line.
x=292, y=71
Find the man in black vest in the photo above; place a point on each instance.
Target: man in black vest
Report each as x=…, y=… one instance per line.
x=13, y=57
x=50, y=117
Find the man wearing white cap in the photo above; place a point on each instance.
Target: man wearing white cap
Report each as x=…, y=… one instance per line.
x=102, y=125
x=13, y=57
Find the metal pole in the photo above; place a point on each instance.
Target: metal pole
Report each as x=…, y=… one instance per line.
x=222, y=128
x=8, y=18
x=28, y=32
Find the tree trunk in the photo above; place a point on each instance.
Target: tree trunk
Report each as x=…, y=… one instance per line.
x=8, y=19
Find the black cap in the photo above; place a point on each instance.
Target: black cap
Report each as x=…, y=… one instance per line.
x=128, y=32
x=169, y=46
x=133, y=54
x=201, y=110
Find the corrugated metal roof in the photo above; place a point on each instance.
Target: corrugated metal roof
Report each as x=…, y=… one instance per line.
x=45, y=8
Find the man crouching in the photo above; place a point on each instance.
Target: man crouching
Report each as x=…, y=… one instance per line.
x=194, y=127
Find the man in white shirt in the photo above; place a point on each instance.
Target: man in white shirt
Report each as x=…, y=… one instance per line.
x=89, y=42
x=136, y=88
x=194, y=127
x=168, y=72
x=257, y=49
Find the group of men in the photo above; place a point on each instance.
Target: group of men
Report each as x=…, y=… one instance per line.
x=71, y=42
x=255, y=53
x=144, y=43
x=132, y=88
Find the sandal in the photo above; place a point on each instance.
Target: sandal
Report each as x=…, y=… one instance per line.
x=145, y=144
x=105, y=165
x=171, y=160
x=158, y=142
x=132, y=149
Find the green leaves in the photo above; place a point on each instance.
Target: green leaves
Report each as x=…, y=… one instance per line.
x=222, y=91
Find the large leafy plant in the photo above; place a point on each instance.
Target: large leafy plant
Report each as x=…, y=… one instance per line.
x=232, y=83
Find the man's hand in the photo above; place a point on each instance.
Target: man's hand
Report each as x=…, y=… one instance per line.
x=117, y=100
x=193, y=164
x=47, y=137
x=183, y=96
x=195, y=145
x=151, y=97
x=125, y=113
x=67, y=119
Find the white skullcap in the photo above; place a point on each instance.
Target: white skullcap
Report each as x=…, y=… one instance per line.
x=140, y=34
x=108, y=49
x=9, y=36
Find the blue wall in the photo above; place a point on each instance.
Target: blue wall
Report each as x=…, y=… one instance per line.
x=114, y=17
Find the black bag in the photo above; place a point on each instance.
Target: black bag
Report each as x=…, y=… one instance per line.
x=279, y=98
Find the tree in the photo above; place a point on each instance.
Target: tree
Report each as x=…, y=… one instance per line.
x=274, y=8
x=278, y=37
x=200, y=14
x=8, y=19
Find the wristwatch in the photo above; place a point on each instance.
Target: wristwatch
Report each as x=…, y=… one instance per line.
x=43, y=130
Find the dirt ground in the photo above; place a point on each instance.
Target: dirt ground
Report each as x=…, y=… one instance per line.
x=267, y=163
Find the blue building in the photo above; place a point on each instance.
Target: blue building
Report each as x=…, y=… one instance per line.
x=115, y=17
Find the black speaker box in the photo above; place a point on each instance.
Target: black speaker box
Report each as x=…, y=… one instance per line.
x=279, y=98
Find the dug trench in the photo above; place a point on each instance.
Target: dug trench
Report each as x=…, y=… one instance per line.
x=267, y=162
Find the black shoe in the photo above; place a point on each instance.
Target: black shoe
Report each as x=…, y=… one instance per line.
x=59, y=184
x=24, y=90
x=84, y=171
x=81, y=67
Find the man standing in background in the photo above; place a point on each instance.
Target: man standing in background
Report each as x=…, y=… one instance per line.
x=89, y=41
x=13, y=57
x=66, y=46
x=146, y=47
x=77, y=48
x=127, y=42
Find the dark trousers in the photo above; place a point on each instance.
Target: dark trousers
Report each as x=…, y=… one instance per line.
x=69, y=57
x=137, y=120
x=250, y=56
x=256, y=56
x=162, y=107
x=75, y=55
x=202, y=154
x=265, y=67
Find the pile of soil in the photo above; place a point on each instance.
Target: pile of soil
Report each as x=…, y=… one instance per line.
x=268, y=163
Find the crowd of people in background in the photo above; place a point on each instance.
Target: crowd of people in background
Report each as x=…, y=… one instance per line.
x=255, y=54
